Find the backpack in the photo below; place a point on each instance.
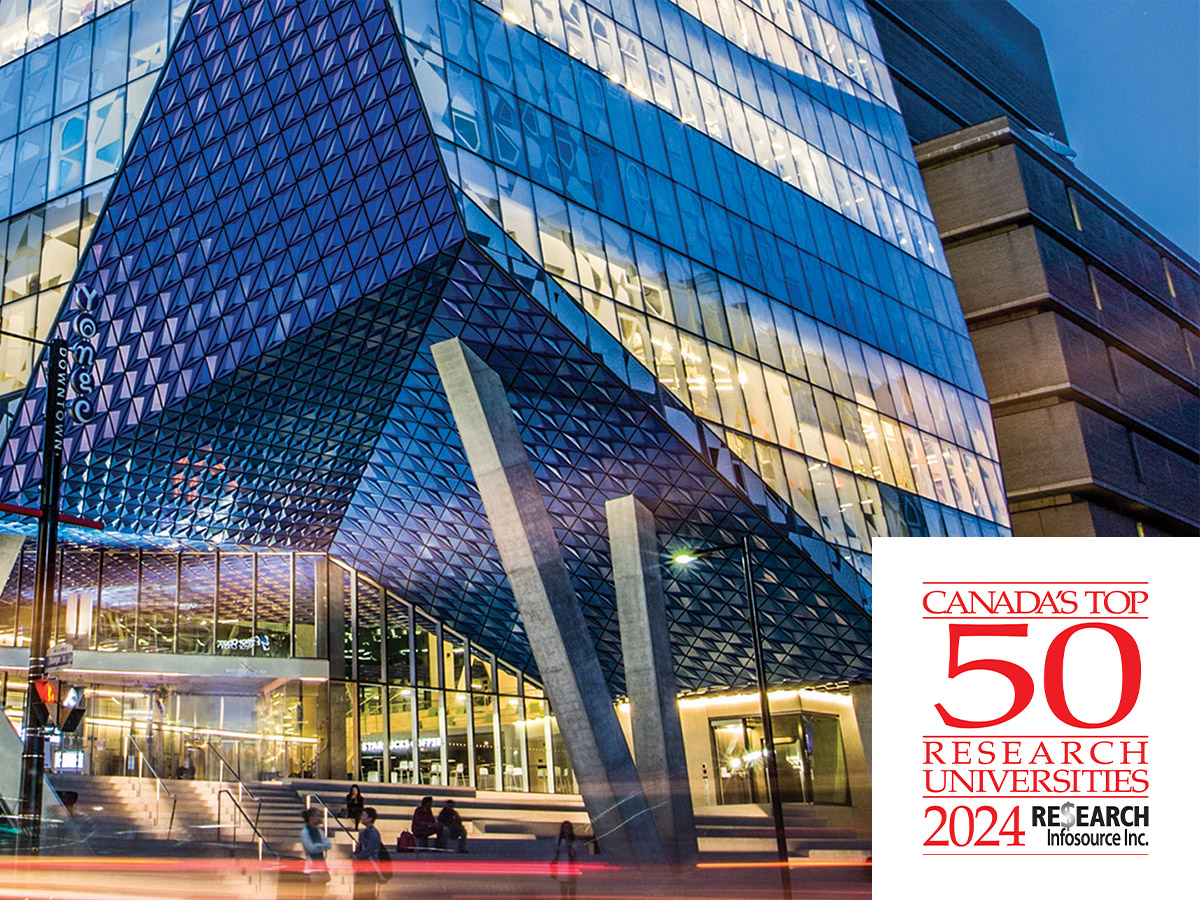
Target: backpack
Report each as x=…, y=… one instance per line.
x=406, y=842
x=385, y=863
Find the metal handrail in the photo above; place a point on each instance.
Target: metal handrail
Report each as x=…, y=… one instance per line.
x=160, y=787
x=258, y=835
x=308, y=798
x=226, y=764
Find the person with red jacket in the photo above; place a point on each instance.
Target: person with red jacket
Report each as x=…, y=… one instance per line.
x=424, y=823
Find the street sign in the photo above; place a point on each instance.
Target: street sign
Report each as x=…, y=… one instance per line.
x=60, y=655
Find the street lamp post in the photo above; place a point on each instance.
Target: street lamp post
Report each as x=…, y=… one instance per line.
x=33, y=757
x=760, y=674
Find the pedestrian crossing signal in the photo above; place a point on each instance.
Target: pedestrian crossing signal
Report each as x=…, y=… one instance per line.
x=71, y=708
x=56, y=706
x=47, y=689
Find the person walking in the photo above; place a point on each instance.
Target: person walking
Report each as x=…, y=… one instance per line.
x=354, y=805
x=452, y=828
x=424, y=825
x=366, y=856
x=316, y=868
x=568, y=878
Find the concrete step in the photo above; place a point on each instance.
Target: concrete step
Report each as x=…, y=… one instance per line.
x=756, y=831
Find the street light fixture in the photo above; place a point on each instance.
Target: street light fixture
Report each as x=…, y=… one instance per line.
x=760, y=672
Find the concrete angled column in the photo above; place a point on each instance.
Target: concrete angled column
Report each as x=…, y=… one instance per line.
x=650, y=675
x=10, y=552
x=549, y=609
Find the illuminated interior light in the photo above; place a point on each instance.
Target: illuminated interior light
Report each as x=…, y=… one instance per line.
x=803, y=695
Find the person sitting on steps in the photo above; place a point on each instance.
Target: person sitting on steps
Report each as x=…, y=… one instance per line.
x=452, y=827
x=424, y=825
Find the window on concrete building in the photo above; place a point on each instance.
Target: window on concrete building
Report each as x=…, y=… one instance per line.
x=1074, y=209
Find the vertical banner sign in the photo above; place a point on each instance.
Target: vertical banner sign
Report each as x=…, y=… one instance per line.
x=1033, y=698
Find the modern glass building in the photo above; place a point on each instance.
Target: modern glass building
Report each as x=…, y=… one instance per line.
x=690, y=238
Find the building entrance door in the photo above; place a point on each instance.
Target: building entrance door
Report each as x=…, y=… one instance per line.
x=810, y=759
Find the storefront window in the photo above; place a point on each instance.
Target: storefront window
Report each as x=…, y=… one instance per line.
x=512, y=745
x=826, y=756
x=400, y=744
x=537, y=730
x=310, y=571
x=485, y=741
x=429, y=737
x=118, y=600
x=341, y=628
x=287, y=721
x=426, y=649
x=369, y=621
x=454, y=661
x=80, y=580
x=564, y=773
x=507, y=680
x=458, y=763
x=197, y=602
x=370, y=732
x=273, y=606
x=235, y=603
x=481, y=672
x=399, y=655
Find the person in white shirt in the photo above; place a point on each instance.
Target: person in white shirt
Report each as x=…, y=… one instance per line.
x=316, y=868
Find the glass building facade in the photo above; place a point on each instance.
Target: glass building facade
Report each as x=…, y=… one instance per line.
x=690, y=238
x=803, y=307
x=446, y=710
x=75, y=78
x=729, y=189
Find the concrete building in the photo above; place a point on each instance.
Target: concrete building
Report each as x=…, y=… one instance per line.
x=1084, y=319
x=1086, y=323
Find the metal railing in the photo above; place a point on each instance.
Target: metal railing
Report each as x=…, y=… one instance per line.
x=243, y=789
x=259, y=838
x=160, y=789
x=328, y=814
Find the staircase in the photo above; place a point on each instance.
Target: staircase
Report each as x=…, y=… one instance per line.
x=112, y=813
x=120, y=816
x=278, y=809
x=499, y=825
x=735, y=832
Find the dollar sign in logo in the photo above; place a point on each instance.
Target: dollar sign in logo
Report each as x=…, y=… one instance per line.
x=1068, y=816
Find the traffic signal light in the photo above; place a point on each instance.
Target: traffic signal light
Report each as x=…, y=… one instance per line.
x=71, y=709
x=47, y=689
x=44, y=705
x=56, y=706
